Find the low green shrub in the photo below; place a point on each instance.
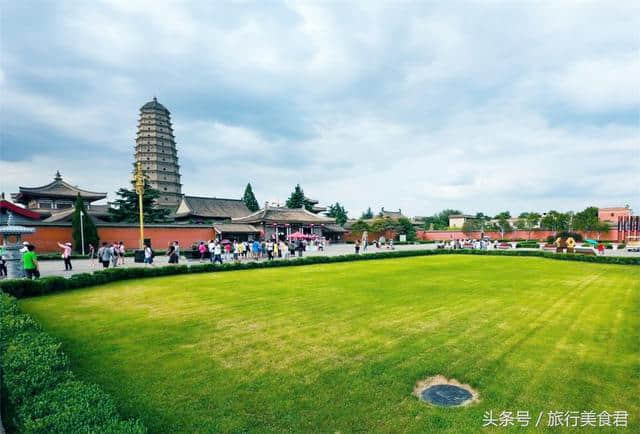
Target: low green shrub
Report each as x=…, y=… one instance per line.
x=527, y=244
x=41, y=393
x=72, y=406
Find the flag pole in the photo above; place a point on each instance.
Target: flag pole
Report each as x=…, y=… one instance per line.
x=82, y=231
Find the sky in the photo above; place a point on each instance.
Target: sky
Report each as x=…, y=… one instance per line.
x=419, y=106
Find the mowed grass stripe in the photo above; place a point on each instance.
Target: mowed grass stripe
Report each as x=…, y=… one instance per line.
x=339, y=347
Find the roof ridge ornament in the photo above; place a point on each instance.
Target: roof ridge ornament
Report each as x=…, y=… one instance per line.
x=58, y=177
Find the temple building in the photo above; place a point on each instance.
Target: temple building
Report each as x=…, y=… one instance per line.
x=281, y=222
x=57, y=199
x=156, y=151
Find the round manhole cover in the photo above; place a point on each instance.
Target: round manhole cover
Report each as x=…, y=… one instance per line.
x=446, y=395
x=444, y=392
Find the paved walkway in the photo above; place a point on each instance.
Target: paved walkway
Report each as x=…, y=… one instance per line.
x=56, y=267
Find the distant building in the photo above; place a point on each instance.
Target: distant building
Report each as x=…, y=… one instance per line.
x=458, y=220
x=156, y=151
x=611, y=215
x=57, y=197
x=199, y=209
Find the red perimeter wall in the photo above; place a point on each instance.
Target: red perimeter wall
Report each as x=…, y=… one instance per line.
x=46, y=238
x=612, y=235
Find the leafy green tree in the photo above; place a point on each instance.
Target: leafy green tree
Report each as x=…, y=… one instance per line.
x=381, y=224
x=249, y=199
x=555, y=221
x=360, y=226
x=88, y=227
x=126, y=209
x=441, y=219
x=338, y=212
x=405, y=227
x=588, y=221
x=367, y=215
x=471, y=225
x=297, y=199
x=503, y=215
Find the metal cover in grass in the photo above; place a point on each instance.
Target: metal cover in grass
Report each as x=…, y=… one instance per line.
x=445, y=392
x=446, y=395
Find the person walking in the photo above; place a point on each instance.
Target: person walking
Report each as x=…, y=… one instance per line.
x=217, y=254
x=121, y=252
x=357, y=247
x=600, y=248
x=92, y=255
x=30, y=263
x=176, y=251
x=203, y=250
x=3, y=264
x=114, y=254
x=148, y=255
x=66, y=255
x=211, y=247
x=104, y=255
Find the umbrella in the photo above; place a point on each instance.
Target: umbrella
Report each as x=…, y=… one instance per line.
x=225, y=242
x=594, y=242
x=297, y=235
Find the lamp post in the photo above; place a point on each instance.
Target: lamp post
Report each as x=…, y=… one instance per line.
x=82, y=231
x=139, y=180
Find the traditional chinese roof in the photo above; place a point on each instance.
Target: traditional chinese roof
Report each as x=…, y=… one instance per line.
x=154, y=105
x=20, y=215
x=284, y=215
x=58, y=189
x=391, y=214
x=94, y=214
x=335, y=228
x=211, y=207
x=235, y=228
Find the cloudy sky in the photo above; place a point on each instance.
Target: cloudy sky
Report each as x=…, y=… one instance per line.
x=480, y=106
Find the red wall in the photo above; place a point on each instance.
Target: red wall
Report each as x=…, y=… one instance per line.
x=612, y=235
x=46, y=238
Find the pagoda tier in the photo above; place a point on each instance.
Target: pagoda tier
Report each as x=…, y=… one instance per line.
x=156, y=151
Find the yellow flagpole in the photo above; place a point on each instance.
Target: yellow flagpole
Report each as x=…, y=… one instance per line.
x=139, y=178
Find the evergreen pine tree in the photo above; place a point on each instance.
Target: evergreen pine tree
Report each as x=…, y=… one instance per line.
x=88, y=227
x=298, y=200
x=249, y=199
x=338, y=212
x=367, y=214
x=126, y=208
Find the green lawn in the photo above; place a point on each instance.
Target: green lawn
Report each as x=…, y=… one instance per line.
x=339, y=347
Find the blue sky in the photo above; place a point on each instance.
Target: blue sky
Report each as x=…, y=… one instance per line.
x=480, y=106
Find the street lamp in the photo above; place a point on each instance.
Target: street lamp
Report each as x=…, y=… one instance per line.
x=139, y=179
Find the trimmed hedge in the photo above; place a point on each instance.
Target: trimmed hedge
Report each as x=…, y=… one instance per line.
x=28, y=288
x=42, y=394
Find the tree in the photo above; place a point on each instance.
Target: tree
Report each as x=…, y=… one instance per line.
x=555, y=221
x=381, y=224
x=338, y=212
x=405, y=227
x=503, y=215
x=588, y=221
x=88, y=227
x=360, y=226
x=298, y=200
x=249, y=199
x=367, y=215
x=471, y=225
x=503, y=226
x=126, y=208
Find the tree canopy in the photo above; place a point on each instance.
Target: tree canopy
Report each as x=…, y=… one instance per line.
x=405, y=227
x=88, y=228
x=297, y=199
x=556, y=221
x=249, y=199
x=338, y=212
x=587, y=220
x=368, y=214
x=440, y=220
x=126, y=209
